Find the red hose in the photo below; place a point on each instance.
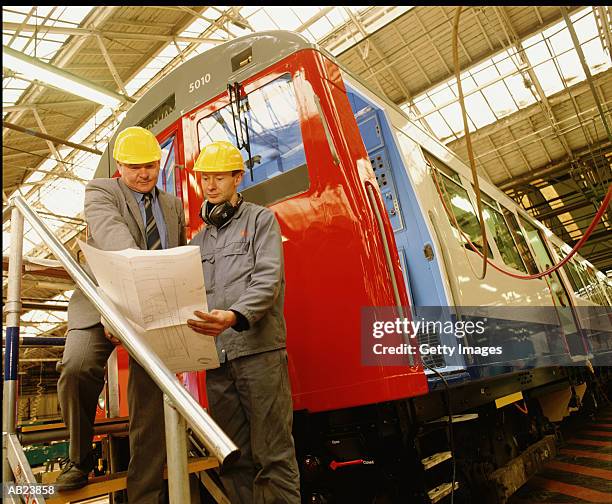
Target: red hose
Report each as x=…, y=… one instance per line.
x=550, y=270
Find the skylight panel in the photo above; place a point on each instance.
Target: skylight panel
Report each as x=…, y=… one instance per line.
x=570, y=67
x=167, y=54
x=84, y=131
x=43, y=320
x=438, y=125
x=195, y=28
x=549, y=77
x=337, y=17
x=239, y=31
x=484, y=75
x=597, y=60
x=73, y=15
x=561, y=42
x=19, y=43
x=28, y=244
x=247, y=10
x=521, y=94
x=550, y=52
x=479, y=110
x=506, y=61
x=260, y=21
x=140, y=79
x=424, y=105
x=320, y=28
x=10, y=95
x=452, y=114
x=55, y=37
x=499, y=98
x=536, y=52
x=221, y=34
x=10, y=16
x=64, y=197
x=442, y=96
x=306, y=12
x=42, y=11
x=285, y=17
x=42, y=49
x=467, y=84
x=584, y=25
x=86, y=166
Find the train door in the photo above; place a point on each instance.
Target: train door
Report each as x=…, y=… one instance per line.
x=558, y=290
x=422, y=277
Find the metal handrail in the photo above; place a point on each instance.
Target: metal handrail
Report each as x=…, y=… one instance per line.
x=215, y=440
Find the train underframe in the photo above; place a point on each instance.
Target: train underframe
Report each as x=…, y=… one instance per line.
x=405, y=450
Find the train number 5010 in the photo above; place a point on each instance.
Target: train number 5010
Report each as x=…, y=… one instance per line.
x=205, y=79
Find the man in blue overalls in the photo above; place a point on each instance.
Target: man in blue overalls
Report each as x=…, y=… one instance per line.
x=249, y=395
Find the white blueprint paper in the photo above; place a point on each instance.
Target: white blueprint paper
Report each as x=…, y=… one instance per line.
x=158, y=290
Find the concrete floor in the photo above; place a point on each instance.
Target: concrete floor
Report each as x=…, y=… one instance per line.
x=581, y=472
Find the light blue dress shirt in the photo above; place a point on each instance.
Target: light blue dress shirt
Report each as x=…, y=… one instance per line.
x=157, y=213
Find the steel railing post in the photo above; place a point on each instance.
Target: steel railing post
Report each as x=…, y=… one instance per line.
x=12, y=309
x=176, y=449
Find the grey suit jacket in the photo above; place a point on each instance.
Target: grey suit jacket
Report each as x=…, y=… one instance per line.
x=115, y=223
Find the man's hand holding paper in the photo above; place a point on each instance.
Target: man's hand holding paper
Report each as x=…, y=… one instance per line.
x=213, y=323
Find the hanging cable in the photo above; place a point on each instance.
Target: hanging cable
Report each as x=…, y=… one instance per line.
x=468, y=144
x=555, y=267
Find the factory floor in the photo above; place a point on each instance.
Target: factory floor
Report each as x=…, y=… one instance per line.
x=582, y=470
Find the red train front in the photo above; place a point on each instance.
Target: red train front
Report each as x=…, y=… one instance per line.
x=306, y=146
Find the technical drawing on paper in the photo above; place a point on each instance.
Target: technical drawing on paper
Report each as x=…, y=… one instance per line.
x=158, y=290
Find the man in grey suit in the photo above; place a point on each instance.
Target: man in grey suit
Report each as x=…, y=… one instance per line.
x=125, y=212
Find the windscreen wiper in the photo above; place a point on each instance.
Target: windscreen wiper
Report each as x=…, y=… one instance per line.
x=240, y=106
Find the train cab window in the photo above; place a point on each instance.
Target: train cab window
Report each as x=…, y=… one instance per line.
x=521, y=243
x=166, y=181
x=458, y=201
x=277, y=149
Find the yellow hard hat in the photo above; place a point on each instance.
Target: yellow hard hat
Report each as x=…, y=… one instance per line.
x=136, y=145
x=219, y=156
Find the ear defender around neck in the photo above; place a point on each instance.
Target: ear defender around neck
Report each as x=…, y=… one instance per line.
x=220, y=214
